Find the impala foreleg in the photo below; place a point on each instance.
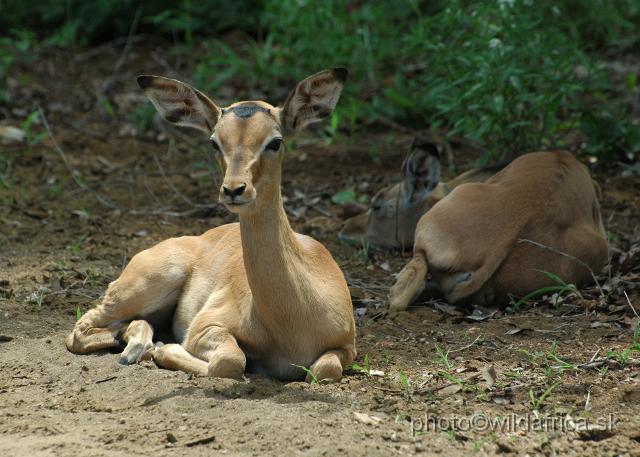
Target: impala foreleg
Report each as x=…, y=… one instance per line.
x=150, y=283
x=139, y=339
x=409, y=283
x=175, y=357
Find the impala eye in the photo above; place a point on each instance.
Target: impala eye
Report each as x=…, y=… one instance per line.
x=377, y=205
x=215, y=145
x=274, y=144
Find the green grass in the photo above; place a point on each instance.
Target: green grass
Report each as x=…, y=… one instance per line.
x=314, y=379
x=561, y=288
x=364, y=368
x=443, y=356
x=405, y=382
x=537, y=402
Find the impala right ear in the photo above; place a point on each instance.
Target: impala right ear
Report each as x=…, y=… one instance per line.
x=179, y=103
x=420, y=171
x=313, y=99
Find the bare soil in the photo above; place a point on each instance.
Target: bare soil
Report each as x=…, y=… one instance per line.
x=558, y=371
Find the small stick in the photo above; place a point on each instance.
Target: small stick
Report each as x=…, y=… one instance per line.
x=467, y=346
x=164, y=177
x=207, y=440
x=127, y=46
x=630, y=305
x=104, y=201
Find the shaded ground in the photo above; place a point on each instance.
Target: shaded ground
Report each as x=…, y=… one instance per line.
x=62, y=241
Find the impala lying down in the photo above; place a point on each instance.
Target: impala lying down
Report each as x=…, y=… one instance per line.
x=472, y=242
x=253, y=293
x=395, y=210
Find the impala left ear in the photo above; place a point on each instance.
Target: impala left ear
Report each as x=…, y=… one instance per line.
x=313, y=99
x=179, y=103
x=420, y=171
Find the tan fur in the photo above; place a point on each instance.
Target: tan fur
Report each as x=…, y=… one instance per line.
x=470, y=239
x=251, y=293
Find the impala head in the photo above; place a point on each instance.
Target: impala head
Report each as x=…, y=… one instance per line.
x=247, y=136
x=395, y=210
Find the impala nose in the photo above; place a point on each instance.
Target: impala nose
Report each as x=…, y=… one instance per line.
x=234, y=191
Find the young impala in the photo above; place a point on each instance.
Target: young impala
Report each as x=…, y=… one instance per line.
x=252, y=294
x=395, y=210
x=477, y=242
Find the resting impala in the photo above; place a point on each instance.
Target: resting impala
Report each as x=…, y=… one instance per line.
x=473, y=242
x=395, y=210
x=253, y=294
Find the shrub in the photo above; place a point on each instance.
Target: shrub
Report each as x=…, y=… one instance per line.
x=508, y=74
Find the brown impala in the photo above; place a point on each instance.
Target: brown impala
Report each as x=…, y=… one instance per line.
x=476, y=242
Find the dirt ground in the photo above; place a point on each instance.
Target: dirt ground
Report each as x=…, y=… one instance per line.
x=557, y=376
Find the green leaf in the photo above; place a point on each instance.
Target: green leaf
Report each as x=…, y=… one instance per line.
x=343, y=197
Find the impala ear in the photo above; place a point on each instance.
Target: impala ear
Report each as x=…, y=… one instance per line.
x=313, y=99
x=420, y=171
x=179, y=103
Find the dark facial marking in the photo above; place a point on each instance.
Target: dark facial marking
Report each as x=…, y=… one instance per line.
x=246, y=110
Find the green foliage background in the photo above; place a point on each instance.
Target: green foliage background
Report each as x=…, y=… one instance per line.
x=512, y=75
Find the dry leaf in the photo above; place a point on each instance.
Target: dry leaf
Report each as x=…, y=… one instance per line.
x=366, y=418
x=489, y=375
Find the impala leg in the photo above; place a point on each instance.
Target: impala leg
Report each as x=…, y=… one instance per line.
x=207, y=349
x=139, y=339
x=151, y=282
x=219, y=348
x=175, y=357
x=409, y=283
x=329, y=365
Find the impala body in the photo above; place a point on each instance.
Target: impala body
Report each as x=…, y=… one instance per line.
x=253, y=294
x=396, y=209
x=473, y=242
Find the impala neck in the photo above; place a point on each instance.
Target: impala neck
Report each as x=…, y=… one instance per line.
x=271, y=253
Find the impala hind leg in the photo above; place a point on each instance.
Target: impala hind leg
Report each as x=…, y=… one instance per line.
x=151, y=282
x=409, y=284
x=329, y=365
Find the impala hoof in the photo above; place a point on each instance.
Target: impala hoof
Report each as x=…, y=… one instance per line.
x=133, y=353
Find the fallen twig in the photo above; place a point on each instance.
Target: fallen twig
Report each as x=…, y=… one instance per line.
x=207, y=440
x=102, y=200
x=597, y=363
x=467, y=346
x=630, y=305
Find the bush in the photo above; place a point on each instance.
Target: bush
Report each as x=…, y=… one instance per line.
x=509, y=74
x=513, y=75
x=85, y=22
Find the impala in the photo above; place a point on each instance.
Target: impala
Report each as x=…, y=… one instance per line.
x=251, y=295
x=395, y=210
x=487, y=241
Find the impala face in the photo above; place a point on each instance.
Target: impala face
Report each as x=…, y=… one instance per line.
x=395, y=210
x=247, y=135
x=249, y=144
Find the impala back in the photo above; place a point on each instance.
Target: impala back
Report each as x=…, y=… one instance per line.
x=539, y=215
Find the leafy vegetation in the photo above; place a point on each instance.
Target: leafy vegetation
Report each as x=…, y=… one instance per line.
x=511, y=75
